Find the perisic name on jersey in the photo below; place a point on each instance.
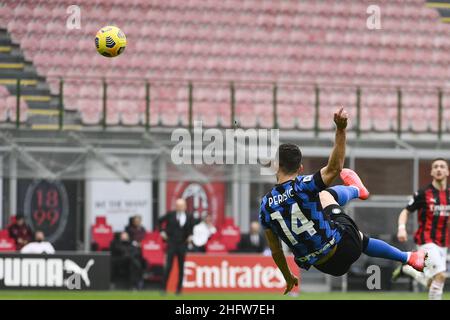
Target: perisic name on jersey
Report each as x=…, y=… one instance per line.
x=278, y=199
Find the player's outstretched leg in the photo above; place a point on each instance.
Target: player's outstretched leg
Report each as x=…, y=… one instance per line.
x=343, y=194
x=380, y=249
x=351, y=178
x=405, y=269
x=353, y=188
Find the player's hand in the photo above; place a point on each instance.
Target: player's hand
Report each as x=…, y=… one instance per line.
x=290, y=283
x=402, y=235
x=340, y=118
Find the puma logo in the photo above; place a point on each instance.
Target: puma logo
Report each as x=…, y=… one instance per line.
x=72, y=267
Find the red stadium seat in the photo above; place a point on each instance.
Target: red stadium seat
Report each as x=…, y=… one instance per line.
x=305, y=117
x=155, y=235
x=36, y=28
x=112, y=115
x=3, y=91
x=40, y=12
x=5, y=15
x=230, y=236
x=3, y=110
x=4, y=234
x=153, y=251
x=102, y=234
x=91, y=114
x=7, y=245
x=23, y=12
x=129, y=117
x=215, y=246
x=228, y=221
x=100, y=220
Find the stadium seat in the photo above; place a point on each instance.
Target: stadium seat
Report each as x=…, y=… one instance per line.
x=153, y=252
x=216, y=245
x=3, y=110
x=102, y=234
x=228, y=221
x=5, y=15
x=129, y=117
x=305, y=117
x=230, y=236
x=446, y=120
x=205, y=112
x=4, y=234
x=100, y=220
x=90, y=112
x=6, y=243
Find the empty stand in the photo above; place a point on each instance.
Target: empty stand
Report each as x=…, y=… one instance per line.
x=286, y=41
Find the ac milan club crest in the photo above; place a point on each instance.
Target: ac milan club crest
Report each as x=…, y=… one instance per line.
x=201, y=199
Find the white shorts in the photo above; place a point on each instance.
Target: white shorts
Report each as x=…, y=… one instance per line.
x=437, y=259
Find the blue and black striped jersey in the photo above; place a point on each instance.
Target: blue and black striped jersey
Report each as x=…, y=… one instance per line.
x=292, y=210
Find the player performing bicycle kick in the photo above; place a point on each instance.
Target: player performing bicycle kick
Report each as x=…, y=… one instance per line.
x=306, y=215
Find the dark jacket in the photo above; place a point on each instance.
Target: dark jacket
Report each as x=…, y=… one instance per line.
x=20, y=232
x=176, y=234
x=246, y=245
x=136, y=233
x=124, y=249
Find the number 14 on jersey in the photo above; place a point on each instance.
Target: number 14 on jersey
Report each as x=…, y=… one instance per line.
x=297, y=217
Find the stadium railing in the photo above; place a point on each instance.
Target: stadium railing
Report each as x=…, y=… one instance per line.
x=233, y=87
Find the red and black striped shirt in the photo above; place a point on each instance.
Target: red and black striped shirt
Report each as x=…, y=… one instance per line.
x=433, y=209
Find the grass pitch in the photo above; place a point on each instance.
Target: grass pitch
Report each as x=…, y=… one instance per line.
x=155, y=295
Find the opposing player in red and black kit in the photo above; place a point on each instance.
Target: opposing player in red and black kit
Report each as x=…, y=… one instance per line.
x=433, y=207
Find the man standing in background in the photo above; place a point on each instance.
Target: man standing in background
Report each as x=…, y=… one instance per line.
x=254, y=241
x=176, y=229
x=432, y=205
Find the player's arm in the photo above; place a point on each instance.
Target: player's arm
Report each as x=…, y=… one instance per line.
x=402, y=234
x=414, y=203
x=337, y=157
x=280, y=260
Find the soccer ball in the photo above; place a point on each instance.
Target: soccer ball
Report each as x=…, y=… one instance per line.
x=110, y=41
